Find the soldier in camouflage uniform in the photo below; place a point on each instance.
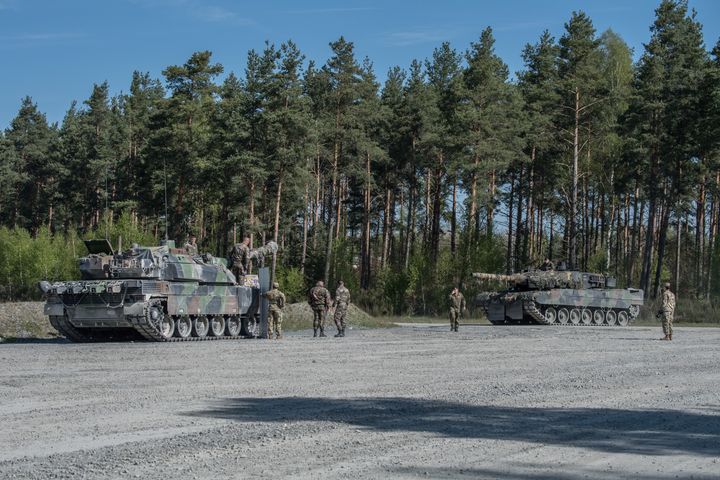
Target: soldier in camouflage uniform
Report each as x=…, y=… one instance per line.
x=240, y=258
x=191, y=245
x=276, y=299
x=457, y=307
x=342, y=300
x=668, y=311
x=319, y=300
x=547, y=265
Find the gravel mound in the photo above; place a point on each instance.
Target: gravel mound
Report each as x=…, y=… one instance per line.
x=24, y=320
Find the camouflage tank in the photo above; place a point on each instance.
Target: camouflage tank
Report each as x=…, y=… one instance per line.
x=157, y=293
x=556, y=297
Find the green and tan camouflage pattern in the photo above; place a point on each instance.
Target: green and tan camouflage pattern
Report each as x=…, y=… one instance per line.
x=116, y=287
x=536, y=291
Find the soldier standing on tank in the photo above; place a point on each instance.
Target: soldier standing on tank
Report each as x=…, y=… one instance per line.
x=668, y=311
x=547, y=265
x=276, y=299
x=319, y=299
x=191, y=245
x=240, y=258
x=342, y=300
x=457, y=307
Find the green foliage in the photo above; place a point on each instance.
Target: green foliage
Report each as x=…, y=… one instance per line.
x=26, y=260
x=292, y=283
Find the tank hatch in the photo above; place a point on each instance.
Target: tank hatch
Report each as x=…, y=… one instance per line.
x=99, y=247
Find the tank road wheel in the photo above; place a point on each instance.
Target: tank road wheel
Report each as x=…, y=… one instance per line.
x=201, y=325
x=183, y=326
x=575, y=316
x=586, y=316
x=563, y=316
x=598, y=317
x=623, y=318
x=233, y=325
x=249, y=327
x=550, y=315
x=611, y=317
x=217, y=325
x=166, y=326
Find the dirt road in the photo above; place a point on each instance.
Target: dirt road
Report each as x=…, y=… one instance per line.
x=410, y=402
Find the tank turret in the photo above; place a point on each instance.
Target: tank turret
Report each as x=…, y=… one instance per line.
x=546, y=279
x=559, y=296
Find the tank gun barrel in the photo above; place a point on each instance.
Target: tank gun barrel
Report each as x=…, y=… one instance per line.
x=497, y=276
x=260, y=253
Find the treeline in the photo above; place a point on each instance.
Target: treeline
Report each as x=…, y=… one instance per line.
x=405, y=188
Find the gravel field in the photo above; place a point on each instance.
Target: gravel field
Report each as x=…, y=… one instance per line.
x=411, y=402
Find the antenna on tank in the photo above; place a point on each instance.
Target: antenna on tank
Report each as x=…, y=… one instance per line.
x=107, y=219
x=166, y=202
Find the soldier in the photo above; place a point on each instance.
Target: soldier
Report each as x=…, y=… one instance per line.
x=240, y=258
x=276, y=299
x=668, y=311
x=342, y=300
x=191, y=245
x=319, y=300
x=457, y=307
x=547, y=265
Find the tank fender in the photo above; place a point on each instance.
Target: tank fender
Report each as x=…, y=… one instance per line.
x=54, y=309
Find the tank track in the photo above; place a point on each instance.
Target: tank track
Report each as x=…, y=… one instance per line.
x=67, y=330
x=149, y=330
x=534, y=312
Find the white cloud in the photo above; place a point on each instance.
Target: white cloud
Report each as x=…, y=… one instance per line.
x=418, y=37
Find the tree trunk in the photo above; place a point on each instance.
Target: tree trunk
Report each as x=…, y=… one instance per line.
x=509, y=264
x=252, y=213
x=699, y=238
x=365, y=262
x=574, y=193
x=649, y=246
x=491, y=205
x=276, y=230
x=386, y=228
x=303, y=256
x=411, y=224
x=453, y=218
x=661, y=248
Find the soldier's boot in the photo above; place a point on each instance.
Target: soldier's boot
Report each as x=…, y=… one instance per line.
x=278, y=336
x=342, y=332
x=322, y=332
x=314, y=332
x=339, y=333
x=670, y=336
x=666, y=337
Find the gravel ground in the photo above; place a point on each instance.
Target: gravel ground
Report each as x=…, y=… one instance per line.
x=409, y=402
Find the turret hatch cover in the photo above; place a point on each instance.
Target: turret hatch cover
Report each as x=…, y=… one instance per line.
x=99, y=246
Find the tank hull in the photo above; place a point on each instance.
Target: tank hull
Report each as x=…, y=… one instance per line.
x=579, y=307
x=158, y=310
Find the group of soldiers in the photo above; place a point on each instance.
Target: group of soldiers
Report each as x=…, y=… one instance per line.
x=320, y=301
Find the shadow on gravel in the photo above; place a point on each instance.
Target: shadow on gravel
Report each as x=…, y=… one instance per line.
x=509, y=474
x=16, y=340
x=645, y=432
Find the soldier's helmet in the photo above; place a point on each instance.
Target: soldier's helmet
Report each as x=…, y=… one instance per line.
x=341, y=283
x=320, y=283
x=667, y=285
x=276, y=285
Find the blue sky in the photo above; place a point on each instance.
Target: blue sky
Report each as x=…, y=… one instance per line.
x=55, y=50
